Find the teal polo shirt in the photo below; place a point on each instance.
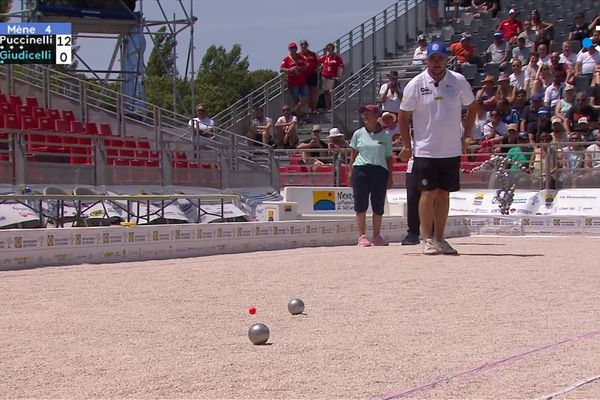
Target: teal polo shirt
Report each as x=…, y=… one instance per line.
x=373, y=148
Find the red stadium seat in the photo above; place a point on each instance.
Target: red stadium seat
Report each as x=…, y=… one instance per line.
x=53, y=114
x=90, y=128
x=38, y=112
x=6, y=108
x=31, y=102
x=76, y=127
x=105, y=130
x=11, y=121
x=45, y=124
x=3, y=99
x=60, y=125
x=28, y=123
x=15, y=100
x=23, y=110
x=68, y=115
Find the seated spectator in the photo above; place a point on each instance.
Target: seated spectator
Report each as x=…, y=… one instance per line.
x=531, y=36
x=499, y=51
x=567, y=57
x=580, y=29
x=541, y=155
x=553, y=92
x=519, y=103
x=390, y=93
x=520, y=52
x=481, y=7
x=595, y=89
x=510, y=27
x=529, y=115
x=465, y=52
x=531, y=71
x=543, y=79
x=557, y=67
x=286, y=130
x=480, y=121
x=317, y=157
x=505, y=91
x=202, y=125
x=542, y=125
x=337, y=141
x=581, y=109
x=520, y=154
x=571, y=158
x=391, y=127
x=260, y=127
x=507, y=115
x=564, y=104
x=586, y=61
x=558, y=133
x=487, y=93
x=494, y=130
x=508, y=141
x=420, y=54
x=584, y=130
x=294, y=66
x=541, y=27
x=332, y=70
x=592, y=154
x=517, y=77
x=542, y=51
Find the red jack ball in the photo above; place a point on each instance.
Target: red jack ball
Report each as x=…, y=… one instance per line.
x=252, y=310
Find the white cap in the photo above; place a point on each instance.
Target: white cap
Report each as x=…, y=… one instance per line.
x=334, y=132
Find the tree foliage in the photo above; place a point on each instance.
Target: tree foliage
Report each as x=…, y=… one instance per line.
x=161, y=62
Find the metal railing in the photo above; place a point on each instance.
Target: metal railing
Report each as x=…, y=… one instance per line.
x=376, y=38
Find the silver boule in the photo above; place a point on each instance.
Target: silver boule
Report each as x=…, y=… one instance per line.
x=296, y=306
x=258, y=334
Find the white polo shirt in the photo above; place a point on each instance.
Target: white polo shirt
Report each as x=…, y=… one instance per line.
x=437, y=113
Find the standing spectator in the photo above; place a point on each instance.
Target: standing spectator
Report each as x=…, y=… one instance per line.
x=499, y=51
x=202, y=125
x=517, y=78
x=286, y=130
x=333, y=68
x=318, y=156
x=554, y=92
x=567, y=57
x=260, y=127
x=371, y=173
x=541, y=27
x=486, y=7
x=434, y=11
x=295, y=67
x=520, y=51
x=581, y=109
x=390, y=93
x=580, y=29
x=529, y=114
x=587, y=60
x=435, y=99
x=312, y=77
x=419, y=54
x=510, y=27
x=564, y=104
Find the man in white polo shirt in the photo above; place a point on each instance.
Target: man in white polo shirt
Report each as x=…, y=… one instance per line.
x=435, y=99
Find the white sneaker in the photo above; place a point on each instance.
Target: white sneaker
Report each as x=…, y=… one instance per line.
x=445, y=248
x=431, y=247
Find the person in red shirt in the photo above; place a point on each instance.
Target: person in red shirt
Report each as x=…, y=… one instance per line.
x=312, y=78
x=333, y=67
x=295, y=67
x=510, y=27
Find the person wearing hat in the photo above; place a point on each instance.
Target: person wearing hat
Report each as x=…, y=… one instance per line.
x=294, y=66
x=315, y=157
x=370, y=173
x=510, y=27
x=505, y=91
x=390, y=125
x=332, y=70
x=542, y=125
x=581, y=108
x=464, y=51
x=435, y=98
x=584, y=130
x=499, y=51
x=390, y=93
x=558, y=133
x=508, y=141
x=337, y=141
x=486, y=96
x=419, y=55
x=520, y=153
x=529, y=115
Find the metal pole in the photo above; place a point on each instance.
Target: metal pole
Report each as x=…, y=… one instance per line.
x=373, y=40
x=193, y=74
x=385, y=35
x=362, y=45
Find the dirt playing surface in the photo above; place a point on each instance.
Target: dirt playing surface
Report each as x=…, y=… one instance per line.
x=378, y=321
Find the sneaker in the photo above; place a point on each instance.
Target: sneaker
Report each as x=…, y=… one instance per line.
x=447, y=249
x=379, y=241
x=363, y=241
x=410, y=239
x=430, y=247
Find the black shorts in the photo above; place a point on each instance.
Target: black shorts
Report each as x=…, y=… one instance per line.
x=369, y=180
x=312, y=80
x=438, y=173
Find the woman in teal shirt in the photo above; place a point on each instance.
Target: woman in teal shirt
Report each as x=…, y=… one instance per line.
x=371, y=173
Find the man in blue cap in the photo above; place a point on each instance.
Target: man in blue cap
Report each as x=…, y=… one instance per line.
x=541, y=125
x=435, y=99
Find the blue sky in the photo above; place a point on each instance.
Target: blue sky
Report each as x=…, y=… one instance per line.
x=262, y=27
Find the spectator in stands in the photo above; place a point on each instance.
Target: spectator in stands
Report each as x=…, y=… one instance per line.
x=465, y=52
x=419, y=55
x=531, y=36
x=332, y=70
x=505, y=91
x=260, y=127
x=541, y=27
x=571, y=159
x=390, y=93
x=580, y=29
x=316, y=157
x=564, y=104
x=531, y=71
x=486, y=96
x=286, y=130
x=584, y=130
x=507, y=115
x=540, y=156
x=337, y=141
x=520, y=154
x=520, y=52
x=542, y=80
x=312, y=76
x=434, y=11
x=558, y=133
x=587, y=60
x=595, y=89
x=544, y=57
x=580, y=109
x=491, y=7
x=592, y=154
x=517, y=77
x=557, y=67
x=499, y=51
x=494, y=130
x=202, y=125
x=529, y=114
x=391, y=127
x=510, y=27
x=519, y=103
x=294, y=67
x=567, y=57
x=542, y=125
x=371, y=173
x=554, y=92
x=508, y=141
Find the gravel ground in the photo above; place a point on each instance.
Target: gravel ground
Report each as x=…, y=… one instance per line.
x=378, y=321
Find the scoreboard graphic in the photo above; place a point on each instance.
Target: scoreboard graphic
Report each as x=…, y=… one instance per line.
x=35, y=43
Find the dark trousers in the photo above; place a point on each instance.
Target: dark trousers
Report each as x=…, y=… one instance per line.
x=413, y=195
